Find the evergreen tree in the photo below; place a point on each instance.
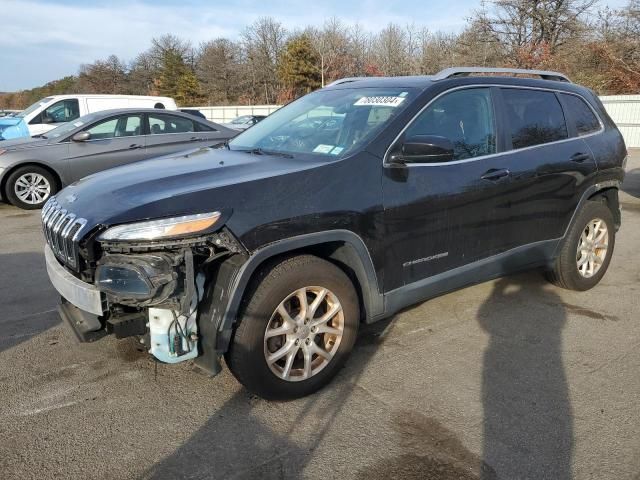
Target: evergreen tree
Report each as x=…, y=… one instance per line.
x=298, y=69
x=177, y=80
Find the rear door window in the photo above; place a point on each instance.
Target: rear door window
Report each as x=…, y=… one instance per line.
x=534, y=117
x=162, y=124
x=580, y=114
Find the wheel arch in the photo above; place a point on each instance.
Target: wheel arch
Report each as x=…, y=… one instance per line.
x=341, y=247
x=609, y=196
x=13, y=168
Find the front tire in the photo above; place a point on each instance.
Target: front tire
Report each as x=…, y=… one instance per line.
x=30, y=187
x=587, y=249
x=298, y=325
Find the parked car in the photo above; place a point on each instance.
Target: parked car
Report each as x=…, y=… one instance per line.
x=12, y=127
x=53, y=111
x=245, y=121
x=8, y=113
x=33, y=169
x=193, y=111
x=272, y=251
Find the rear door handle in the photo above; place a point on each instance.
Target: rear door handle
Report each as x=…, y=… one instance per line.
x=133, y=146
x=580, y=157
x=494, y=174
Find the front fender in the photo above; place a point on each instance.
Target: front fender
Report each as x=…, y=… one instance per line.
x=230, y=280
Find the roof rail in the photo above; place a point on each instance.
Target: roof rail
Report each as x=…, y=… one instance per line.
x=345, y=80
x=464, y=71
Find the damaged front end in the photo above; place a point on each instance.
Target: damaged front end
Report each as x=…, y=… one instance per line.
x=166, y=291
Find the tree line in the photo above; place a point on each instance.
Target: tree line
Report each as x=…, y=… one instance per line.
x=267, y=64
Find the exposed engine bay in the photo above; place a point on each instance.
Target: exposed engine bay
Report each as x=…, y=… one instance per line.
x=153, y=290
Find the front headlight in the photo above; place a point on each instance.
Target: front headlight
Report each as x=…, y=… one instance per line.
x=161, y=229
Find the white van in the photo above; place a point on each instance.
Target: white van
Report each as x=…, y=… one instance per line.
x=51, y=112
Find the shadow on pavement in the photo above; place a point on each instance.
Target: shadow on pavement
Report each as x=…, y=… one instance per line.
x=235, y=436
x=528, y=424
x=27, y=299
x=528, y=427
x=631, y=184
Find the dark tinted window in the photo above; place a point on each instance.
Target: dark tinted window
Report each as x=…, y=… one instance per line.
x=534, y=117
x=201, y=127
x=465, y=117
x=161, y=123
x=581, y=114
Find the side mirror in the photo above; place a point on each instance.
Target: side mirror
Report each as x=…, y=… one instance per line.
x=423, y=149
x=81, y=137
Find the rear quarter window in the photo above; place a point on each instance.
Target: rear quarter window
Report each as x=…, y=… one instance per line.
x=580, y=114
x=534, y=117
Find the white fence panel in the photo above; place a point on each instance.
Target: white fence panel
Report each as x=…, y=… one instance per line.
x=625, y=111
x=227, y=113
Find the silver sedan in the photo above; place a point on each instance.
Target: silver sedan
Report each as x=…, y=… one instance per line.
x=33, y=169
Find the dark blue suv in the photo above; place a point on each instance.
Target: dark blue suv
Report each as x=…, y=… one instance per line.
x=343, y=207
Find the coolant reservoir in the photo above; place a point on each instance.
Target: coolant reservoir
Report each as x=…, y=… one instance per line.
x=171, y=343
x=174, y=337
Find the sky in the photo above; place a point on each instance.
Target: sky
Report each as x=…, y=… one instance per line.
x=43, y=40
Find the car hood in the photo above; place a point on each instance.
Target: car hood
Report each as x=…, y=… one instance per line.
x=13, y=127
x=24, y=142
x=196, y=182
x=9, y=121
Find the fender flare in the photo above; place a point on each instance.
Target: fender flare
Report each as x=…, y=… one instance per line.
x=586, y=195
x=364, y=270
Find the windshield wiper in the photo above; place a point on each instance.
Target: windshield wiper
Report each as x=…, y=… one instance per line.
x=262, y=151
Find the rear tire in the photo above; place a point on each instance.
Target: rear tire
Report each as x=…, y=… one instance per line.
x=586, y=250
x=29, y=187
x=275, y=324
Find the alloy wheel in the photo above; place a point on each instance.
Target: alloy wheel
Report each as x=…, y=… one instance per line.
x=592, y=247
x=304, y=333
x=32, y=188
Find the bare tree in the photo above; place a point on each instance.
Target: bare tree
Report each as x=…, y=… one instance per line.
x=520, y=23
x=103, y=76
x=332, y=44
x=219, y=69
x=263, y=43
x=360, y=48
x=391, y=51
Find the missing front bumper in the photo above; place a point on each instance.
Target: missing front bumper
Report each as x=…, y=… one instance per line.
x=85, y=326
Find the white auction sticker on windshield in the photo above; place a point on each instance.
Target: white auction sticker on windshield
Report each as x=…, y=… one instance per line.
x=383, y=101
x=323, y=148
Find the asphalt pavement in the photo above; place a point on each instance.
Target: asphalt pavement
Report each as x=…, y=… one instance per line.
x=509, y=379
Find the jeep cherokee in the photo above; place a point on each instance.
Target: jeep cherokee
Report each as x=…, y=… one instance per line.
x=344, y=206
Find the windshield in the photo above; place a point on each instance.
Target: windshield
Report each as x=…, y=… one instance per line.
x=34, y=107
x=241, y=120
x=327, y=122
x=67, y=128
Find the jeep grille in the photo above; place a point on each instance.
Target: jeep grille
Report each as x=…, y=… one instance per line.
x=62, y=232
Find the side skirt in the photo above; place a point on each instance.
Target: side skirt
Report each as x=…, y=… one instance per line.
x=521, y=258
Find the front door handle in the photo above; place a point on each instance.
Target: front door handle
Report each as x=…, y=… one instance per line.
x=580, y=157
x=495, y=174
x=133, y=146
x=194, y=139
